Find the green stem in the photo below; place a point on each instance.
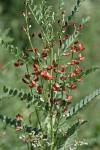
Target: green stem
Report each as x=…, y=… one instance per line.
x=51, y=110
x=35, y=107
x=38, y=118
x=27, y=30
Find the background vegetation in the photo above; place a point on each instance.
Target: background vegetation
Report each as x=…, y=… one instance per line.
x=10, y=17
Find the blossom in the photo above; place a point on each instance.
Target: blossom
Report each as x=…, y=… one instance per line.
x=40, y=89
x=78, y=70
x=80, y=57
x=19, y=117
x=74, y=24
x=69, y=97
x=36, y=66
x=19, y=127
x=66, y=54
x=73, y=86
x=66, y=107
x=56, y=87
x=45, y=74
x=81, y=47
x=80, y=27
x=73, y=62
x=18, y=63
x=63, y=78
x=32, y=84
x=67, y=36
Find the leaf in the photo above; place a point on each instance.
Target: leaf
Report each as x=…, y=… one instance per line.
x=19, y=93
x=14, y=50
x=31, y=2
x=83, y=103
x=84, y=73
x=9, y=121
x=71, y=39
x=75, y=9
x=71, y=130
x=14, y=123
x=4, y=36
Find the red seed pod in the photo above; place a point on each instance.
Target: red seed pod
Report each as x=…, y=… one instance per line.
x=19, y=63
x=63, y=13
x=63, y=89
x=26, y=3
x=40, y=35
x=60, y=42
x=59, y=22
x=44, y=54
x=36, y=78
x=54, y=64
x=80, y=27
x=23, y=28
x=36, y=66
x=66, y=23
x=49, y=67
x=76, y=42
x=23, y=13
x=33, y=34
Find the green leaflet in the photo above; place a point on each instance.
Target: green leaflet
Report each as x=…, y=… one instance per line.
x=84, y=73
x=14, y=50
x=23, y=96
x=74, y=10
x=70, y=131
x=72, y=37
x=19, y=93
x=4, y=36
x=9, y=121
x=83, y=103
x=14, y=123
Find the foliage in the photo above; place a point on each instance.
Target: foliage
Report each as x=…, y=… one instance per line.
x=49, y=79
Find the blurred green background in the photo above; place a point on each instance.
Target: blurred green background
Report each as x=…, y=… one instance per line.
x=10, y=17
